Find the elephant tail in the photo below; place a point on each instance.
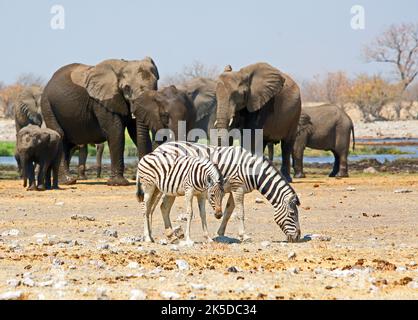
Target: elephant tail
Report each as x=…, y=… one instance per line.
x=354, y=139
x=49, y=116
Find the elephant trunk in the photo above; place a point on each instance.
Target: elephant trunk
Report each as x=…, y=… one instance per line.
x=223, y=122
x=143, y=139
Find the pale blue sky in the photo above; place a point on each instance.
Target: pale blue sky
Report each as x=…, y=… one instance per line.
x=302, y=38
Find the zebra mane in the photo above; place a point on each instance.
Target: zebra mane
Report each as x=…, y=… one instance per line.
x=265, y=159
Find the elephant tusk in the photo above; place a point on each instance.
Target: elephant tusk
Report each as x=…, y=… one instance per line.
x=231, y=121
x=215, y=123
x=133, y=116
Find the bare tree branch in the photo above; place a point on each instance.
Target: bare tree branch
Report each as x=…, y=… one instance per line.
x=195, y=70
x=30, y=79
x=398, y=45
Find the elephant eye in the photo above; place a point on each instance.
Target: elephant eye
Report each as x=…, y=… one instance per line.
x=127, y=91
x=164, y=118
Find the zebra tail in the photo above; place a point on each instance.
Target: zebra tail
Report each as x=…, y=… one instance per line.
x=139, y=191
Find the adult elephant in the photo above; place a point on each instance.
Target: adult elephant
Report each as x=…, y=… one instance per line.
x=27, y=110
x=164, y=109
x=260, y=96
x=325, y=127
x=27, y=107
x=91, y=104
x=202, y=92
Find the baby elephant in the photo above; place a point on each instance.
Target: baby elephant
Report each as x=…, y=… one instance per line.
x=171, y=175
x=326, y=127
x=40, y=146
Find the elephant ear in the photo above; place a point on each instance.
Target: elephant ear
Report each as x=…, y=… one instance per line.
x=265, y=82
x=305, y=124
x=101, y=83
x=154, y=68
x=202, y=93
x=147, y=110
x=27, y=106
x=205, y=104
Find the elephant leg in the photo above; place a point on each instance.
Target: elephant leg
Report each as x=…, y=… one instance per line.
x=114, y=130
x=287, y=148
x=82, y=159
x=99, y=156
x=48, y=178
x=343, y=168
x=66, y=177
x=55, y=170
x=29, y=173
x=297, y=157
x=336, y=166
x=19, y=165
x=43, y=165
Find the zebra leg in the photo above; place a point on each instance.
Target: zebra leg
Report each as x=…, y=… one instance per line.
x=165, y=207
x=239, y=209
x=230, y=205
x=155, y=199
x=189, y=206
x=148, y=196
x=201, y=200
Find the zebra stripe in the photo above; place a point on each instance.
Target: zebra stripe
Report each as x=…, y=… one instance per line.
x=173, y=174
x=241, y=169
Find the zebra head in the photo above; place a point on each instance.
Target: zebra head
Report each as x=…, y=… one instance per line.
x=215, y=185
x=287, y=218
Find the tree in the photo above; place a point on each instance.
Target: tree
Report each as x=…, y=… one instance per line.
x=195, y=70
x=30, y=79
x=8, y=95
x=411, y=94
x=328, y=89
x=371, y=93
x=398, y=45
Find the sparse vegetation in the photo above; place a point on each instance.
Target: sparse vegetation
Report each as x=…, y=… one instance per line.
x=7, y=149
x=360, y=150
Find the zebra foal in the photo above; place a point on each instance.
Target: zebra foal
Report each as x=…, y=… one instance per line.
x=171, y=175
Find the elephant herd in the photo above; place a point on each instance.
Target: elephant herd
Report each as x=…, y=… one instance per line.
x=87, y=104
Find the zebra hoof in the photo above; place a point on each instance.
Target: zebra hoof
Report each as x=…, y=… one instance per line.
x=148, y=239
x=187, y=243
x=209, y=239
x=245, y=238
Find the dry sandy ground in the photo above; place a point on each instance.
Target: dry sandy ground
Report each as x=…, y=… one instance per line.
x=372, y=253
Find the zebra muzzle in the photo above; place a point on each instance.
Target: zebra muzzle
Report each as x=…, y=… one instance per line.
x=218, y=213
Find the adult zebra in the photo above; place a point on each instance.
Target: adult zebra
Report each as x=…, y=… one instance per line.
x=244, y=172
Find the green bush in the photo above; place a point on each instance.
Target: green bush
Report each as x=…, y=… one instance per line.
x=7, y=148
